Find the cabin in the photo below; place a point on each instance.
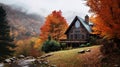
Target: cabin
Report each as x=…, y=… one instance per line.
x=78, y=32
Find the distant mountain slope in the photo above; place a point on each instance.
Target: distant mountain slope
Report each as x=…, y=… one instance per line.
x=23, y=25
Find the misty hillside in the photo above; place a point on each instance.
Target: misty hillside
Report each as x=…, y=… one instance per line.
x=23, y=25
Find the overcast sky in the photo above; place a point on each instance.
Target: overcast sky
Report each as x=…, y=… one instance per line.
x=44, y=7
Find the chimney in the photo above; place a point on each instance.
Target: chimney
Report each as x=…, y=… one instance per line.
x=87, y=19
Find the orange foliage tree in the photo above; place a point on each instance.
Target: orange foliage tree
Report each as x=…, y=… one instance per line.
x=106, y=17
x=28, y=47
x=55, y=26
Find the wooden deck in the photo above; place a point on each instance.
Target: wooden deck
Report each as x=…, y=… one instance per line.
x=72, y=41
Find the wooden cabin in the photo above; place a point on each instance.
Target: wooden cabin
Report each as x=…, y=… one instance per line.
x=78, y=32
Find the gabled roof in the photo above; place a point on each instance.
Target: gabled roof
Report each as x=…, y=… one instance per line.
x=87, y=26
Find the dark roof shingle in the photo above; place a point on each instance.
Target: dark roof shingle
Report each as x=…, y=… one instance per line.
x=87, y=26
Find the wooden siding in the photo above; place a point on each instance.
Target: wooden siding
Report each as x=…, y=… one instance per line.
x=77, y=33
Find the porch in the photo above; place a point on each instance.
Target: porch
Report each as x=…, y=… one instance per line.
x=73, y=43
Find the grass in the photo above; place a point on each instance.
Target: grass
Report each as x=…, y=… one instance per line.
x=71, y=58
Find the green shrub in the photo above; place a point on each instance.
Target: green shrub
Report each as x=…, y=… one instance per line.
x=83, y=45
x=95, y=40
x=88, y=44
x=50, y=45
x=63, y=46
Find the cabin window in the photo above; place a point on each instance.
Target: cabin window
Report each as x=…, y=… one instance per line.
x=77, y=24
x=75, y=36
x=78, y=36
x=82, y=36
x=71, y=36
x=78, y=31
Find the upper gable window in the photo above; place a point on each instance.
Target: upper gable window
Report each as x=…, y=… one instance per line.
x=77, y=24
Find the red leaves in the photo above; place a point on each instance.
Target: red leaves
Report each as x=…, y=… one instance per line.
x=107, y=19
x=55, y=26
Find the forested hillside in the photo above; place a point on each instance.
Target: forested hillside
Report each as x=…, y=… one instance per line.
x=23, y=25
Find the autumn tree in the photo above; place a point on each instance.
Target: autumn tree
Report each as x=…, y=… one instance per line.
x=6, y=41
x=28, y=47
x=54, y=26
x=106, y=19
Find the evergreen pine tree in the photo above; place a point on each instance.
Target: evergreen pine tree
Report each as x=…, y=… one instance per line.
x=6, y=41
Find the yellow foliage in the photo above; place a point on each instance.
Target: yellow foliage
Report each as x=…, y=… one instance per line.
x=38, y=43
x=26, y=46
